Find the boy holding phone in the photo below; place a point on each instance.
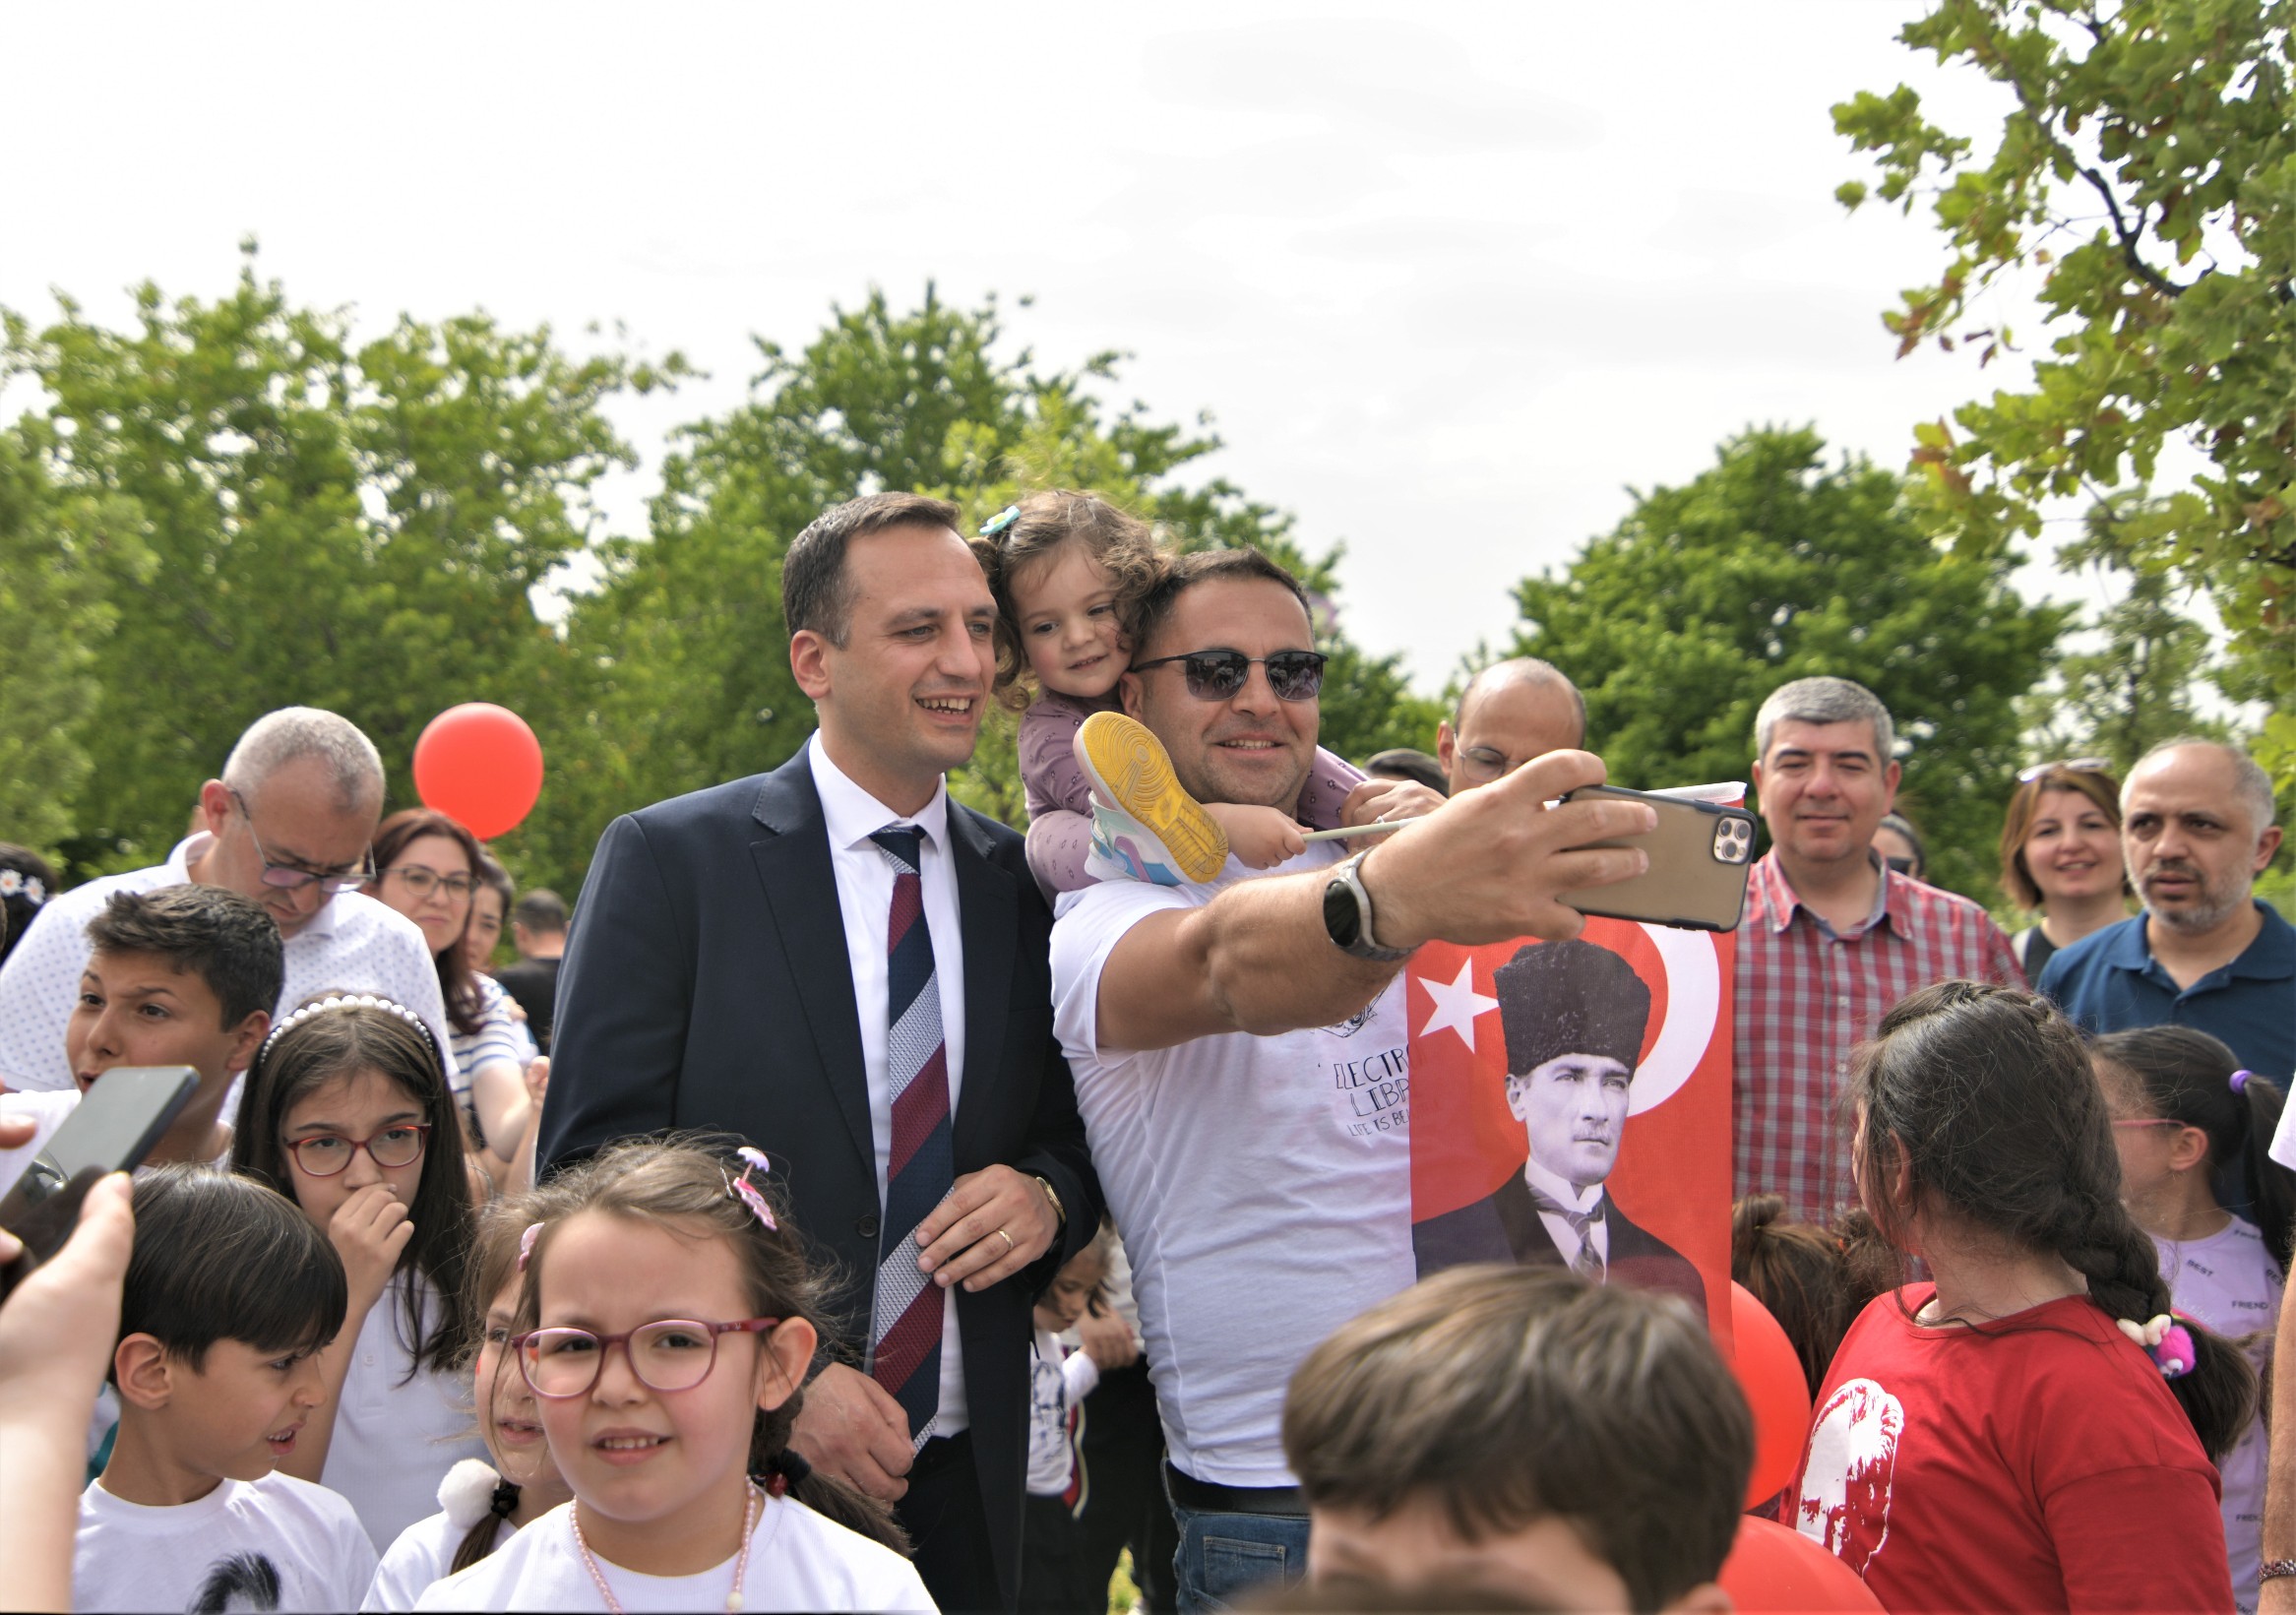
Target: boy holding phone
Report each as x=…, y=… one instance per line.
x=230, y=1293
x=185, y=976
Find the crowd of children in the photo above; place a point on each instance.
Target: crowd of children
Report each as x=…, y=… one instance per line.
x=2033, y=1352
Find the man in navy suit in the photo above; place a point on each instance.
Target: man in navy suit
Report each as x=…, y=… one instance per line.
x=1574, y=1014
x=850, y=970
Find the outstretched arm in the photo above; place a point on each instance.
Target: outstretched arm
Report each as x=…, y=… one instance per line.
x=1486, y=867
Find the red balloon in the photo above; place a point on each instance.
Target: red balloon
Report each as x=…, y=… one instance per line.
x=481, y=765
x=1774, y=1568
x=1771, y=1375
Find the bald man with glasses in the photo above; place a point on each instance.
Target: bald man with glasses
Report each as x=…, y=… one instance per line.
x=288, y=825
x=1509, y=712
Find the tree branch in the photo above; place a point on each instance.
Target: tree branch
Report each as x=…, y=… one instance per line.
x=2137, y=265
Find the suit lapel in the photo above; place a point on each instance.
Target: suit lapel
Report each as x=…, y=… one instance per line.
x=800, y=889
x=990, y=921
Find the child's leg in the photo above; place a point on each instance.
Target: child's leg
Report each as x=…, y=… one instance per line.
x=1330, y=779
x=1058, y=844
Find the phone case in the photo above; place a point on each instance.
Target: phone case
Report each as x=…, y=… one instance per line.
x=1700, y=856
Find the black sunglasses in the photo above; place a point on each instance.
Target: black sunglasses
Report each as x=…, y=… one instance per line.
x=1216, y=676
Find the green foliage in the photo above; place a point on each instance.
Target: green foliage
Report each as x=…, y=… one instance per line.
x=356, y=531
x=53, y=618
x=1771, y=567
x=2144, y=189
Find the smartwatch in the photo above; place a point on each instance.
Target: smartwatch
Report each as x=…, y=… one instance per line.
x=1347, y=915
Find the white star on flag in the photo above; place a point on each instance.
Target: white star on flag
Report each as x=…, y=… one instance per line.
x=1457, y=1004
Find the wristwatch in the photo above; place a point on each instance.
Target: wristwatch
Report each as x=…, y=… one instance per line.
x=1347, y=915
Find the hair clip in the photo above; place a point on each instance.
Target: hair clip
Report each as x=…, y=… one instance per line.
x=997, y=524
x=2165, y=1340
x=472, y=1491
x=2240, y=1079
x=527, y=1244
x=15, y=882
x=753, y=1160
x=345, y=1001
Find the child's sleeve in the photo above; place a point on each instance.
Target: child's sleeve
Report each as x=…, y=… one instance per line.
x=1078, y=1374
x=1049, y=775
x=2140, y=1538
x=1330, y=779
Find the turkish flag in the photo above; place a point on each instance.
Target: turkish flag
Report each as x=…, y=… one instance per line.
x=1671, y=1176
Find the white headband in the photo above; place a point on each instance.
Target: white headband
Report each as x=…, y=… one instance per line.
x=362, y=1001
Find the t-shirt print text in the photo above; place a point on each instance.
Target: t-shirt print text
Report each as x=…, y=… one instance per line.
x=1377, y=1089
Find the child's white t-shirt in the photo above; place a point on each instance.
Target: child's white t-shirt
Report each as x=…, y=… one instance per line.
x=799, y=1560
x=1058, y=1380
x=418, y=1558
x=275, y=1544
x=394, y=1438
x=2230, y=1282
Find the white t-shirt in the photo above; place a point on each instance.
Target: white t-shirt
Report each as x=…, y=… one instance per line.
x=1263, y=1184
x=352, y=944
x=418, y=1558
x=275, y=1544
x=2230, y=1282
x=1058, y=1380
x=799, y=1560
x=394, y=1440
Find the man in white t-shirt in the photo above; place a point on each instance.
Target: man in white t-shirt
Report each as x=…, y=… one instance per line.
x=1240, y=1047
x=287, y=825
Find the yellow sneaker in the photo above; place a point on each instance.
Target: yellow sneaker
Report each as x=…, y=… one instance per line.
x=1130, y=773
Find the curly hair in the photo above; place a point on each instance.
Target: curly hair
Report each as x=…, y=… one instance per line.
x=1121, y=544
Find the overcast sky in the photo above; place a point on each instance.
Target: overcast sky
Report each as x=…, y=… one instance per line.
x=1449, y=278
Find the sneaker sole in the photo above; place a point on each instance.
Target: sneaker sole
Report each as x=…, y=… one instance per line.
x=1131, y=769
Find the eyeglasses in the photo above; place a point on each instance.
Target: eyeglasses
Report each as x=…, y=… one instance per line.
x=1902, y=865
x=422, y=879
x=324, y=1155
x=1482, y=764
x=1216, y=676
x=674, y=1354
x=289, y=877
x=2072, y=765
x=2156, y=1121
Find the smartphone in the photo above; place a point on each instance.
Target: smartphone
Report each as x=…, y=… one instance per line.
x=122, y=1115
x=1700, y=856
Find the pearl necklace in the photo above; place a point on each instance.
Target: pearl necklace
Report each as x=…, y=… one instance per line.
x=733, y=1597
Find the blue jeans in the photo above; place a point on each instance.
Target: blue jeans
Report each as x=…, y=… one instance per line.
x=1223, y=1556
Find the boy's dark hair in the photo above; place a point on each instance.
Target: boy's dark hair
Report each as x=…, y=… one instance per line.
x=1206, y=566
x=1814, y=1280
x=1124, y=546
x=1508, y=1395
x=540, y=909
x=1984, y=1100
x=229, y=942
x=223, y=1258
x=342, y=1042
x=817, y=588
x=2184, y=1075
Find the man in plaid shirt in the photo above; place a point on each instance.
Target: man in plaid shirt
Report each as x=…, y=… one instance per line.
x=1831, y=938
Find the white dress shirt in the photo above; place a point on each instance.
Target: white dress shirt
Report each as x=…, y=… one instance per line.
x=1563, y=1191
x=864, y=877
x=352, y=944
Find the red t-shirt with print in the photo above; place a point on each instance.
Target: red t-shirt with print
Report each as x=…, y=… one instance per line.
x=2041, y=1466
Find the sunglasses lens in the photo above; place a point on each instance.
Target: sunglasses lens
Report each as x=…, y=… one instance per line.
x=1216, y=676
x=1295, y=675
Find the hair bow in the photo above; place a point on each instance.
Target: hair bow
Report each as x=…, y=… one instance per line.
x=753, y=1161
x=527, y=1244
x=2165, y=1340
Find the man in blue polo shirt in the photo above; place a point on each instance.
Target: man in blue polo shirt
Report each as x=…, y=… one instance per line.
x=2196, y=830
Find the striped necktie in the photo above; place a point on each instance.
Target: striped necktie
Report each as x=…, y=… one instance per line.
x=1588, y=1261
x=905, y=1328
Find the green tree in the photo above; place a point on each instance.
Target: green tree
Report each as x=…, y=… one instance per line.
x=352, y=529
x=54, y=619
x=681, y=648
x=1771, y=566
x=2144, y=189
x=2145, y=682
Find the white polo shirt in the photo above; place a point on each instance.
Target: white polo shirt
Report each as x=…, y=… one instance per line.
x=352, y=944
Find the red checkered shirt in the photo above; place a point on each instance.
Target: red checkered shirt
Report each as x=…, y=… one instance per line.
x=1807, y=996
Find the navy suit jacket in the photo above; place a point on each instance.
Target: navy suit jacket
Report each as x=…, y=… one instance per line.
x=705, y=984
